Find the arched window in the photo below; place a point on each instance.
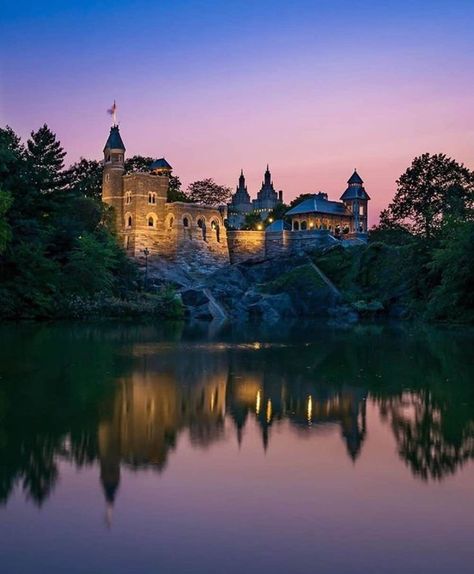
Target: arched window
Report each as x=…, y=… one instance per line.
x=200, y=223
x=185, y=222
x=303, y=225
x=171, y=222
x=152, y=197
x=129, y=221
x=151, y=221
x=296, y=226
x=128, y=197
x=215, y=227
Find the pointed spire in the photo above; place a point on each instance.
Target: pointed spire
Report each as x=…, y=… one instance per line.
x=114, y=141
x=355, y=179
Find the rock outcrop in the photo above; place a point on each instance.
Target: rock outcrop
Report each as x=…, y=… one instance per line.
x=268, y=290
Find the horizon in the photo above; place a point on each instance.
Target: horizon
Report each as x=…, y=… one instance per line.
x=314, y=89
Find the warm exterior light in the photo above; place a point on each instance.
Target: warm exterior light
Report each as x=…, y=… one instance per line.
x=270, y=219
x=259, y=227
x=310, y=409
x=258, y=402
x=311, y=224
x=269, y=410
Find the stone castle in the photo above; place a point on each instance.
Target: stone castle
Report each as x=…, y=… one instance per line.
x=148, y=224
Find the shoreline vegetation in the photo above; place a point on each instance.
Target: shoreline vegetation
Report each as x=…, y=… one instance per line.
x=59, y=257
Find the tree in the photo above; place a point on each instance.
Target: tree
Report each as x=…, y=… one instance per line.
x=85, y=178
x=174, y=190
x=208, y=192
x=46, y=160
x=278, y=212
x=433, y=187
x=389, y=231
x=5, y=232
x=253, y=221
x=90, y=266
x=453, y=298
x=138, y=163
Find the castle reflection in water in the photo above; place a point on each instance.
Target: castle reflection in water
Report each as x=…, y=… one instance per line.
x=120, y=396
x=164, y=396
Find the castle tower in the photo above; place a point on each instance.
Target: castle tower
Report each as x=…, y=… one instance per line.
x=267, y=197
x=241, y=196
x=356, y=199
x=145, y=194
x=240, y=203
x=112, y=179
x=267, y=178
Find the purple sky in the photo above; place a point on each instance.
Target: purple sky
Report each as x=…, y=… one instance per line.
x=314, y=88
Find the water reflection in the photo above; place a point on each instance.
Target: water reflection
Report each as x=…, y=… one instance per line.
x=119, y=396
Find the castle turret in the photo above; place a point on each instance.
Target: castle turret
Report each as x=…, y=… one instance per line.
x=267, y=197
x=356, y=199
x=240, y=203
x=112, y=179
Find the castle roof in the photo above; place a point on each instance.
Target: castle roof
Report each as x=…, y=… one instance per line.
x=114, y=141
x=160, y=164
x=319, y=204
x=355, y=178
x=355, y=192
x=355, y=188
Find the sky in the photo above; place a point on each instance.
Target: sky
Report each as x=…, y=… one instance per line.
x=313, y=88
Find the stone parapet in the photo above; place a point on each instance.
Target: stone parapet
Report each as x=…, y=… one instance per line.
x=259, y=245
x=246, y=245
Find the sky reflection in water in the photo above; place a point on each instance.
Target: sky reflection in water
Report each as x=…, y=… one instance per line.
x=142, y=448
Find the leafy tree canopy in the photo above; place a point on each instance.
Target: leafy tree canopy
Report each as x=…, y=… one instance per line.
x=433, y=188
x=253, y=221
x=46, y=160
x=85, y=178
x=278, y=212
x=208, y=192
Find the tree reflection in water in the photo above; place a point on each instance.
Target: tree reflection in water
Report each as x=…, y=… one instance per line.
x=119, y=395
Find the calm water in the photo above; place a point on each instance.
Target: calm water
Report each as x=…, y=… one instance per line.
x=137, y=449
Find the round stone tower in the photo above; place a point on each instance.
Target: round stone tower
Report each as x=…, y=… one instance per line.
x=112, y=179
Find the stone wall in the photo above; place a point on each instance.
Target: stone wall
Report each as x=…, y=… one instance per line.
x=259, y=245
x=246, y=245
x=191, y=234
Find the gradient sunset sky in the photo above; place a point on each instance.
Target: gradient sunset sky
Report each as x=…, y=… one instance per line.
x=314, y=88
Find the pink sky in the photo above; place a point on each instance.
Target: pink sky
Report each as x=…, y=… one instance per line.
x=315, y=89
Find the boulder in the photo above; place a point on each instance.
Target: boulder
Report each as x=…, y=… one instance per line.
x=194, y=297
x=271, y=308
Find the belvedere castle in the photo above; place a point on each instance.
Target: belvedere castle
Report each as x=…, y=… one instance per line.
x=147, y=223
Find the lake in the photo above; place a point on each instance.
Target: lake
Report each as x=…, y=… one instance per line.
x=289, y=448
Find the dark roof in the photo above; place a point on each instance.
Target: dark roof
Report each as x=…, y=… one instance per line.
x=354, y=192
x=355, y=178
x=160, y=164
x=278, y=225
x=114, y=140
x=317, y=204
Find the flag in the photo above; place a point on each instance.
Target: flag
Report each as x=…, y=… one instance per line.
x=113, y=109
